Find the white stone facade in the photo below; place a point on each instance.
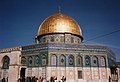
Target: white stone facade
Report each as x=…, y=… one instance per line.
x=13, y=72
x=89, y=74
x=71, y=73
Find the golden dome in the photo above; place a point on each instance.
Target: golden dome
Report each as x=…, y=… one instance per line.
x=59, y=23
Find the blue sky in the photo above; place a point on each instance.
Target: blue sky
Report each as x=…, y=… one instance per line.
x=20, y=20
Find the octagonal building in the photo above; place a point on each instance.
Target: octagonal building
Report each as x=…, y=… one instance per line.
x=58, y=53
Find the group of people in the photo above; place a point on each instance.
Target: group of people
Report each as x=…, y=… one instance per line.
x=52, y=79
x=40, y=79
x=63, y=79
x=4, y=79
x=30, y=79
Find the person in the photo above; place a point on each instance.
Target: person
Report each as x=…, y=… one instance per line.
x=55, y=78
x=28, y=79
x=109, y=79
x=23, y=79
x=63, y=79
x=44, y=80
x=20, y=80
x=51, y=79
x=7, y=79
x=0, y=80
x=37, y=80
x=33, y=79
x=40, y=79
x=3, y=80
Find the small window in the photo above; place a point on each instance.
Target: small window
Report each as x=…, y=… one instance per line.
x=78, y=40
x=6, y=62
x=79, y=61
x=53, y=59
x=87, y=60
x=37, y=61
x=95, y=61
x=62, y=39
x=62, y=60
x=72, y=40
x=52, y=39
x=71, y=60
x=79, y=74
x=44, y=39
x=103, y=63
x=44, y=59
x=30, y=59
x=23, y=60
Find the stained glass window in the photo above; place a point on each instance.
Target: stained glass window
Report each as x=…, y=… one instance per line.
x=53, y=59
x=43, y=59
x=62, y=39
x=37, y=60
x=44, y=39
x=6, y=61
x=30, y=61
x=52, y=39
x=62, y=60
x=71, y=60
x=102, y=61
x=87, y=60
x=23, y=60
x=79, y=60
x=95, y=61
x=72, y=40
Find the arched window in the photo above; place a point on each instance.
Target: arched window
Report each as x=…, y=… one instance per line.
x=23, y=60
x=53, y=60
x=37, y=60
x=62, y=60
x=44, y=62
x=72, y=39
x=30, y=61
x=78, y=40
x=79, y=60
x=6, y=62
x=71, y=60
x=87, y=60
x=95, y=61
x=52, y=39
x=61, y=38
x=44, y=39
x=103, y=62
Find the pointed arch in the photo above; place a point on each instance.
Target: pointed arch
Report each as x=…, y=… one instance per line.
x=30, y=61
x=95, y=61
x=44, y=60
x=87, y=61
x=6, y=62
x=62, y=60
x=79, y=60
x=102, y=61
x=37, y=60
x=53, y=59
x=23, y=60
x=71, y=60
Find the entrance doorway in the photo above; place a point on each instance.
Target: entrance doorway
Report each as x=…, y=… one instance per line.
x=22, y=72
